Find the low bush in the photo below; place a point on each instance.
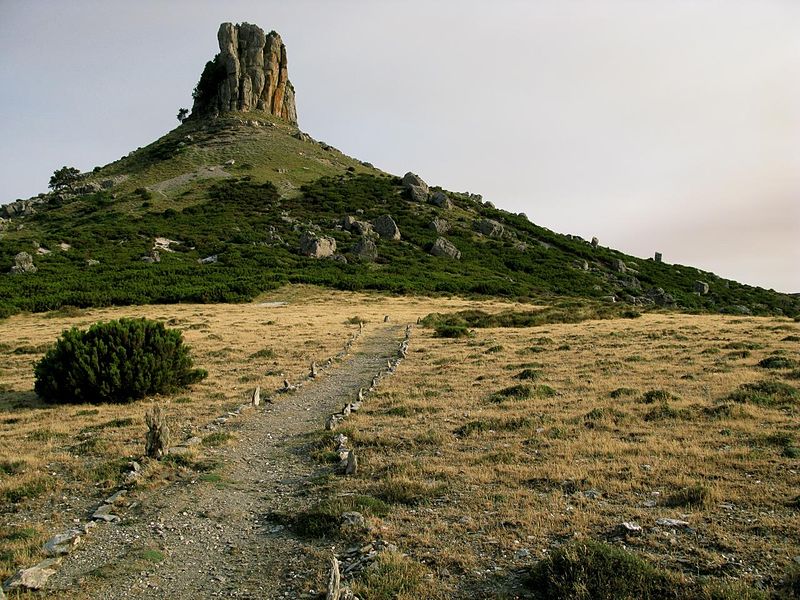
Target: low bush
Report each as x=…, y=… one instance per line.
x=118, y=361
x=777, y=362
x=766, y=393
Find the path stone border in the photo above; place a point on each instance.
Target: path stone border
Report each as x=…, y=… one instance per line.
x=58, y=546
x=356, y=559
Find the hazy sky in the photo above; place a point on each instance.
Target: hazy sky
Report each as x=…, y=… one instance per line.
x=663, y=125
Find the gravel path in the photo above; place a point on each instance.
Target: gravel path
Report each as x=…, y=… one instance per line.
x=214, y=537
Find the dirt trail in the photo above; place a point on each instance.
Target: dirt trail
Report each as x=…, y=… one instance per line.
x=214, y=537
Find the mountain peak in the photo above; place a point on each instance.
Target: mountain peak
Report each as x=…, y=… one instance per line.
x=249, y=73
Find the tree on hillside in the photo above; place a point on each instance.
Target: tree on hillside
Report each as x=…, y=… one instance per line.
x=64, y=178
x=183, y=114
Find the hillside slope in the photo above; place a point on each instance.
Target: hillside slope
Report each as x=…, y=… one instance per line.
x=242, y=192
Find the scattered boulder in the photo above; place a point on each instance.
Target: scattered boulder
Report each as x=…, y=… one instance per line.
x=595, y=242
x=208, y=260
x=104, y=513
x=255, y=398
x=629, y=529
x=618, y=265
x=416, y=187
x=61, y=543
x=34, y=578
x=366, y=250
x=701, y=287
x=441, y=200
x=443, y=247
x=386, y=227
x=317, y=247
x=440, y=226
x=489, y=228
x=361, y=228
x=661, y=298
x=23, y=263
x=153, y=257
x=658, y=257
x=410, y=179
x=302, y=136
x=91, y=262
x=352, y=463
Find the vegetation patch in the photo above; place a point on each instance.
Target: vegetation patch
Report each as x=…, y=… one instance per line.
x=514, y=392
x=623, y=391
x=697, y=496
x=651, y=396
x=528, y=374
x=404, y=490
x=777, y=362
x=486, y=425
x=118, y=361
x=395, y=576
x=768, y=392
x=218, y=438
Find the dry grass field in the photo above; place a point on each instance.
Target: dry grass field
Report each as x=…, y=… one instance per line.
x=490, y=450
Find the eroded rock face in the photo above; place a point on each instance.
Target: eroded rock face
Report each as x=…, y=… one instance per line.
x=249, y=73
x=489, y=228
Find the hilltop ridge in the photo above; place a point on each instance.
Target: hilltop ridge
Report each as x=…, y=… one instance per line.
x=237, y=200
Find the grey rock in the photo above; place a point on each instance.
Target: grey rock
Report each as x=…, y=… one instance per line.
x=23, y=263
x=91, y=262
x=116, y=497
x=441, y=200
x=62, y=543
x=334, y=589
x=33, y=578
x=675, y=523
x=741, y=309
x=412, y=179
x=256, y=75
x=658, y=257
x=443, y=247
x=366, y=250
x=440, y=226
x=618, y=265
x=353, y=519
x=661, y=298
x=317, y=247
x=595, y=242
x=386, y=227
x=104, y=513
x=255, y=398
x=629, y=528
x=701, y=287
x=208, y=260
x=352, y=463
x=489, y=228
x=417, y=193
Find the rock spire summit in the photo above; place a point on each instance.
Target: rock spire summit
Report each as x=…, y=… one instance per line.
x=249, y=73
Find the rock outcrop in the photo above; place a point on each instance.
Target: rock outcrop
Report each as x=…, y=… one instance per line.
x=317, y=247
x=23, y=263
x=249, y=73
x=386, y=227
x=443, y=247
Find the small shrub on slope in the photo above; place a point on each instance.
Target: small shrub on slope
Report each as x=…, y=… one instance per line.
x=118, y=361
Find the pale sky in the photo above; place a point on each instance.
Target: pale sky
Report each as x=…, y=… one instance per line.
x=663, y=125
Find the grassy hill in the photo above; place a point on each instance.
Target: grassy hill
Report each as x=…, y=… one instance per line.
x=245, y=187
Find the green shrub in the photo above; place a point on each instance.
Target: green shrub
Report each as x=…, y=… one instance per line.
x=452, y=331
x=777, y=362
x=118, y=361
x=597, y=571
x=766, y=393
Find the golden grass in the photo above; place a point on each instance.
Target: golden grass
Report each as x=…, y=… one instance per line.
x=472, y=479
x=56, y=462
x=530, y=472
